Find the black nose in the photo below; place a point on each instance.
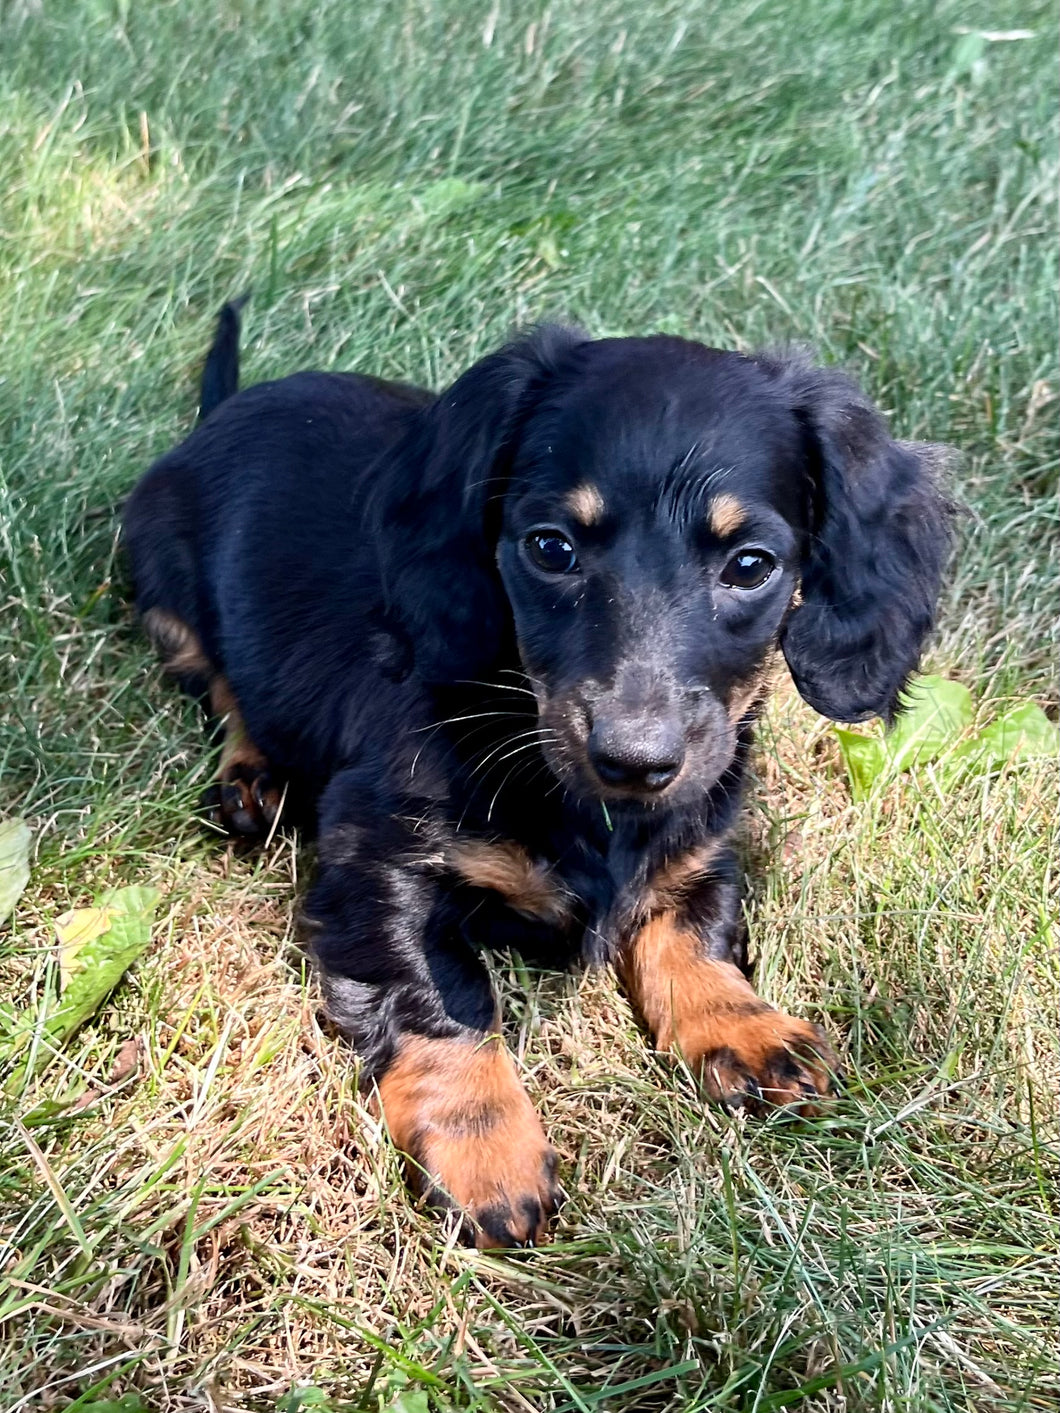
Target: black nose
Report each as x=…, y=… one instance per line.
x=639, y=755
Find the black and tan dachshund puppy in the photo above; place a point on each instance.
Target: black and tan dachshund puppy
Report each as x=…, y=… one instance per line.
x=504, y=649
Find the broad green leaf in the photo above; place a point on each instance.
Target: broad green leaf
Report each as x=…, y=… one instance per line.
x=100, y=962
x=865, y=758
x=935, y=712
x=104, y=959
x=309, y=1396
x=934, y=728
x=15, y=839
x=968, y=60
x=16, y=1030
x=1022, y=733
x=447, y=196
x=75, y=930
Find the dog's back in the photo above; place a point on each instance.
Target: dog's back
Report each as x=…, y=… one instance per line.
x=266, y=490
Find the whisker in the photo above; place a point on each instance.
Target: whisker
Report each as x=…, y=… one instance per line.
x=534, y=737
x=469, y=716
x=514, y=770
x=522, y=672
x=499, y=686
x=538, y=762
x=463, y=737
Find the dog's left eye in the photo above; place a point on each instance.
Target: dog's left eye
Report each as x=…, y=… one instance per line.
x=748, y=570
x=552, y=551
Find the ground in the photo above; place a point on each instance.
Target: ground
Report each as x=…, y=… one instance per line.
x=195, y=1206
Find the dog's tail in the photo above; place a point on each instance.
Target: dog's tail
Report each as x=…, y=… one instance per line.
x=220, y=374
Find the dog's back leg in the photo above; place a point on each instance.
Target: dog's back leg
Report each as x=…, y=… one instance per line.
x=246, y=796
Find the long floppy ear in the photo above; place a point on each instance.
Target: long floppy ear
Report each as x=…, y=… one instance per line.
x=880, y=537
x=436, y=514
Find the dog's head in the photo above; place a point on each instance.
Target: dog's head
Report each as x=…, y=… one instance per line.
x=654, y=518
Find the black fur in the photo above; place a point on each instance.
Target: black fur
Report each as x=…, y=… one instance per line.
x=879, y=543
x=220, y=376
x=353, y=557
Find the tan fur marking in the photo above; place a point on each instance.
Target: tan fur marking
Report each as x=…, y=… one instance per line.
x=243, y=764
x=177, y=644
x=750, y=693
x=508, y=869
x=458, y=1109
x=238, y=749
x=586, y=504
x=241, y=760
x=223, y=702
x=670, y=884
x=726, y=515
x=708, y=1011
x=745, y=696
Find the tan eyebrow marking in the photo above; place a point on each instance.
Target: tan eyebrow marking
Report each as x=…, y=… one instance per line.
x=586, y=504
x=726, y=515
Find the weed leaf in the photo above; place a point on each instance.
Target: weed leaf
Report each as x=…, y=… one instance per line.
x=103, y=956
x=865, y=758
x=1023, y=733
x=935, y=713
x=75, y=930
x=933, y=727
x=15, y=839
x=97, y=947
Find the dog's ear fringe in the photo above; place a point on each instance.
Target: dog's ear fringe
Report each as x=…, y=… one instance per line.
x=484, y=400
x=530, y=359
x=877, y=551
x=797, y=366
x=435, y=510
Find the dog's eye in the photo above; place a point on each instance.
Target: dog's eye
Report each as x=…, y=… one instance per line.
x=748, y=570
x=552, y=551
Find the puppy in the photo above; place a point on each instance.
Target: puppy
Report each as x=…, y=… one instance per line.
x=504, y=648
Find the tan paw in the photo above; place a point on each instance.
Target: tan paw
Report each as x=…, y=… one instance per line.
x=473, y=1142
x=761, y=1061
x=747, y=1055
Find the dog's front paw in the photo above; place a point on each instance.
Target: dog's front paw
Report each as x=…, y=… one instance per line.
x=501, y=1190
x=747, y=1055
x=761, y=1061
x=473, y=1143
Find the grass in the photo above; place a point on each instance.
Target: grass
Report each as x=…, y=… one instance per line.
x=208, y=1216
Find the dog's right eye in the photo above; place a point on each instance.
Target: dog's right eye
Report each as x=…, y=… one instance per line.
x=552, y=551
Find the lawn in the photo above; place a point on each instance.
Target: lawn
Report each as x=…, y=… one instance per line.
x=207, y=1217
